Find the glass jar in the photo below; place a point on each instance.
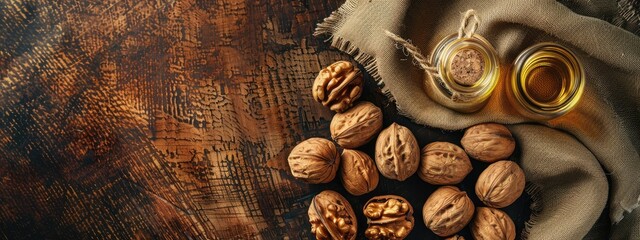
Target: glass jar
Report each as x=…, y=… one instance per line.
x=547, y=81
x=466, y=73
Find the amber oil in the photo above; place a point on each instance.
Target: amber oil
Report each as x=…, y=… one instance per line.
x=547, y=81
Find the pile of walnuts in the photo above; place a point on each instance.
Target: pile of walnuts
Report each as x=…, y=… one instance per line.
x=398, y=156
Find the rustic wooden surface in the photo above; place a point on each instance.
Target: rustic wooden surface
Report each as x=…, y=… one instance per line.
x=169, y=119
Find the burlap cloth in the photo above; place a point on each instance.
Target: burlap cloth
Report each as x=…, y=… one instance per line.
x=579, y=163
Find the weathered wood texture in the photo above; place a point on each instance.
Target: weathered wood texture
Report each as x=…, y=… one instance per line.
x=140, y=119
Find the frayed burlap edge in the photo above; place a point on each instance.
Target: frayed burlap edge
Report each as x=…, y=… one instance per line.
x=334, y=22
x=625, y=208
x=535, y=192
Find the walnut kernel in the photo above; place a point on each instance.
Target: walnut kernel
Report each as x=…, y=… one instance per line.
x=338, y=86
x=388, y=217
x=332, y=217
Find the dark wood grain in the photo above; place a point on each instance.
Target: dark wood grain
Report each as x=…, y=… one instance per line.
x=126, y=119
x=155, y=119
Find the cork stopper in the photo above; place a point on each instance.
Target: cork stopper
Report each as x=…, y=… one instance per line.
x=467, y=67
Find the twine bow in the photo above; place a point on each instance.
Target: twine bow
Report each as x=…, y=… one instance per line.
x=468, y=26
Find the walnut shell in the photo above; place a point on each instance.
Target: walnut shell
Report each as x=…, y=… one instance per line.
x=500, y=184
x=332, y=217
x=447, y=211
x=314, y=160
x=444, y=163
x=397, y=152
x=388, y=217
x=338, y=86
x=358, y=172
x=492, y=224
x=356, y=126
x=455, y=237
x=488, y=142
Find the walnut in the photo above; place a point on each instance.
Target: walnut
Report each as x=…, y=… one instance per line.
x=444, y=163
x=447, y=211
x=500, y=184
x=314, y=160
x=338, y=86
x=492, y=224
x=332, y=217
x=388, y=217
x=358, y=172
x=455, y=237
x=488, y=142
x=397, y=152
x=356, y=126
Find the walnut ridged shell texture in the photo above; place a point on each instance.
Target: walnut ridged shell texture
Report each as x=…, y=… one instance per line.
x=456, y=237
x=332, y=217
x=447, y=211
x=314, y=160
x=358, y=172
x=338, y=86
x=356, y=126
x=388, y=217
x=492, y=224
x=397, y=152
x=443, y=163
x=488, y=142
x=500, y=184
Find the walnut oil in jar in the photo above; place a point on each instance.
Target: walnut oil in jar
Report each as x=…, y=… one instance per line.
x=547, y=81
x=466, y=73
